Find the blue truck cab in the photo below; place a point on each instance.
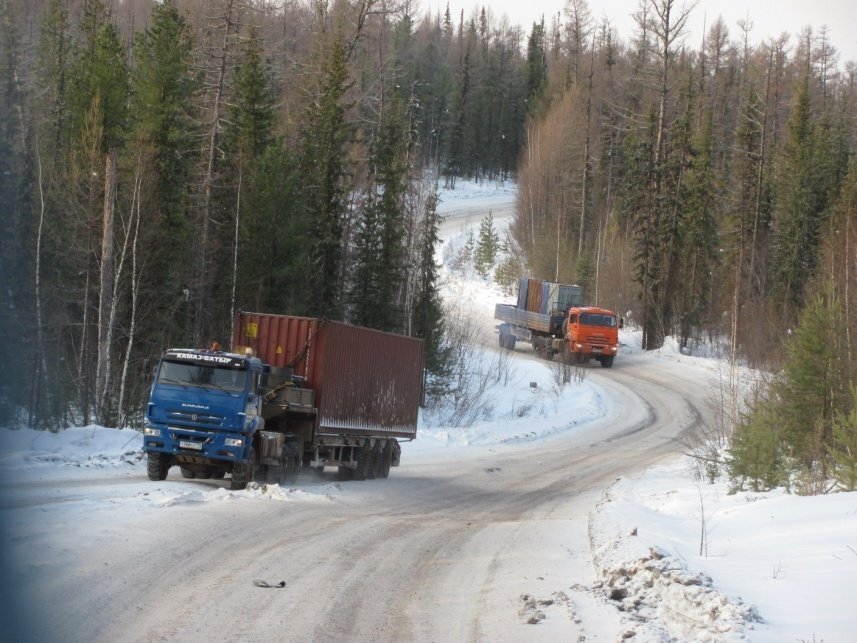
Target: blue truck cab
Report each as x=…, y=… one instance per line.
x=203, y=414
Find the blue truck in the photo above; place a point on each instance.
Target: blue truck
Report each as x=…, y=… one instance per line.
x=293, y=392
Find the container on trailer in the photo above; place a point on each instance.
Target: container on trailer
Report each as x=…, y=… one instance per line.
x=366, y=382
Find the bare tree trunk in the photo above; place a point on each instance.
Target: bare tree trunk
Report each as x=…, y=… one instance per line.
x=760, y=173
x=584, y=192
x=208, y=176
x=41, y=366
x=849, y=215
x=235, y=256
x=733, y=348
x=106, y=300
x=133, y=224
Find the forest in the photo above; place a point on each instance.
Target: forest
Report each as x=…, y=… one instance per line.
x=166, y=164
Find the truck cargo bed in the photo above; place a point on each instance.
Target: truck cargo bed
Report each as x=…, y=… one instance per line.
x=510, y=314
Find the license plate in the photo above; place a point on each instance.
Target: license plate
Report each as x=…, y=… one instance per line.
x=595, y=349
x=196, y=446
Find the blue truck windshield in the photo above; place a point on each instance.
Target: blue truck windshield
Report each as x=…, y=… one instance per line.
x=597, y=319
x=226, y=379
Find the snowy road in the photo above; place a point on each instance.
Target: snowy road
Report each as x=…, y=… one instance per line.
x=443, y=550
x=485, y=533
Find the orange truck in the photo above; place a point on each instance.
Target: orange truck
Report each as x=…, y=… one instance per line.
x=552, y=319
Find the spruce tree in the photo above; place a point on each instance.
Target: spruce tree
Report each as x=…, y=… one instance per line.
x=794, y=420
x=487, y=245
x=698, y=237
x=796, y=213
x=271, y=228
x=325, y=175
x=163, y=131
x=843, y=447
x=100, y=73
x=381, y=269
x=55, y=58
x=813, y=387
x=536, y=67
x=427, y=313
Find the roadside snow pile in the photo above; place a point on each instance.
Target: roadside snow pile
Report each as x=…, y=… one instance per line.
x=171, y=497
x=88, y=447
x=783, y=565
x=658, y=589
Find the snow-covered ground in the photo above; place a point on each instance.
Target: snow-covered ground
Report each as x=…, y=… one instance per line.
x=675, y=558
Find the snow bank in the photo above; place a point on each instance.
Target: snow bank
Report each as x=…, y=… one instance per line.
x=705, y=565
x=89, y=447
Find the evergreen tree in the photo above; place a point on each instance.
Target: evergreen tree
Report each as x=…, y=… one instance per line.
x=794, y=420
x=252, y=116
x=698, y=237
x=325, y=175
x=164, y=130
x=536, y=66
x=843, y=447
x=427, y=314
x=98, y=117
x=55, y=58
x=17, y=229
x=100, y=74
x=457, y=152
x=271, y=228
x=813, y=388
x=745, y=213
x=642, y=209
x=755, y=454
x=487, y=245
x=796, y=214
x=381, y=268
x=251, y=119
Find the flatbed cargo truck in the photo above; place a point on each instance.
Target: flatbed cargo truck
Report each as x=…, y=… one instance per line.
x=293, y=392
x=552, y=319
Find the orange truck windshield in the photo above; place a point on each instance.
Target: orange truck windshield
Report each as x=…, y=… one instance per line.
x=597, y=319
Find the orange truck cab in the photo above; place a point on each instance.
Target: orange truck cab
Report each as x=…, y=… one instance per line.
x=591, y=332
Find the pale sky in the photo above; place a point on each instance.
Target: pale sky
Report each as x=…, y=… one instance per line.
x=769, y=17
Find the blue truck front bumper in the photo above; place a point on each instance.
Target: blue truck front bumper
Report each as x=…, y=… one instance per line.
x=195, y=443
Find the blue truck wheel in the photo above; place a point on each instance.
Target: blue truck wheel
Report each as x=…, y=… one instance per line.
x=242, y=472
x=157, y=465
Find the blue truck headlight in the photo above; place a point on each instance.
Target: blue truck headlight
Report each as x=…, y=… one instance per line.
x=233, y=442
x=155, y=433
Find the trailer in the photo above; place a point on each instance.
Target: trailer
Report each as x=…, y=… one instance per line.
x=293, y=392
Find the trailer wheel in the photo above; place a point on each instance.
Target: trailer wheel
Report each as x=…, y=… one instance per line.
x=364, y=461
x=157, y=465
x=607, y=361
x=507, y=339
x=386, y=459
x=242, y=472
x=344, y=473
x=377, y=456
x=187, y=473
x=292, y=456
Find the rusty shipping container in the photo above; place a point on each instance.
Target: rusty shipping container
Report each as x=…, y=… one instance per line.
x=366, y=382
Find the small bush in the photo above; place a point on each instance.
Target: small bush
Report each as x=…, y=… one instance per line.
x=843, y=449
